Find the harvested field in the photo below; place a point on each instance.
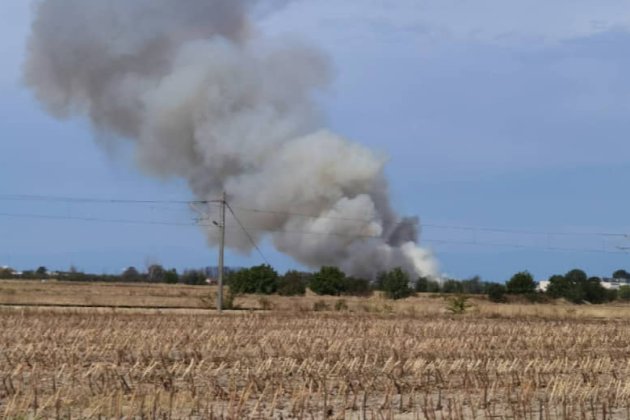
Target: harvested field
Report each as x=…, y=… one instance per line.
x=61, y=364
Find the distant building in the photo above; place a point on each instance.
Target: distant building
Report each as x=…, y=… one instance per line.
x=607, y=282
x=612, y=283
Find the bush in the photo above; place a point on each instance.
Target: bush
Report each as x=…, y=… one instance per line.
x=452, y=286
x=171, y=277
x=521, y=283
x=341, y=305
x=458, y=304
x=262, y=280
x=395, y=284
x=194, y=277
x=265, y=304
x=594, y=292
x=473, y=286
x=427, y=285
x=496, y=292
x=558, y=287
x=328, y=281
x=320, y=305
x=576, y=287
x=292, y=284
x=624, y=293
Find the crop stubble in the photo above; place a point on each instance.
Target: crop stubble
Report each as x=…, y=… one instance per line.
x=310, y=365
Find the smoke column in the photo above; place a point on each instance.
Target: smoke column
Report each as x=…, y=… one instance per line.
x=204, y=96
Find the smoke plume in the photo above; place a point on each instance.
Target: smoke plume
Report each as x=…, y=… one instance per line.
x=204, y=96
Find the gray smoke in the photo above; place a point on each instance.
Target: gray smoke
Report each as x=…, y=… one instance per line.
x=204, y=96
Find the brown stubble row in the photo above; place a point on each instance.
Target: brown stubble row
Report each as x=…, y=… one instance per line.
x=310, y=365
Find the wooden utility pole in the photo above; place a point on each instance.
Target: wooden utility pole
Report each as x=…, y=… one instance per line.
x=221, y=254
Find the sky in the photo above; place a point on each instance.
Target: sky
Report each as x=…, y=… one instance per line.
x=505, y=125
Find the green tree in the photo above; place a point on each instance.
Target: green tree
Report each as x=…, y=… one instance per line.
x=395, y=284
x=41, y=272
x=624, y=293
x=293, y=283
x=194, y=277
x=458, y=304
x=576, y=287
x=130, y=275
x=261, y=279
x=496, y=292
x=521, y=283
x=353, y=286
x=328, y=281
x=621, y=275
x=594, y=292
x=577, y=279
x=452, y=286
x=473, y=286
x=422, y=284
x=171, y=277
x=156, y=273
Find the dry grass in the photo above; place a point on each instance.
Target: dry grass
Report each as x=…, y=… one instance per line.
x=363, y=358
x=17, y=292
x=62, y=364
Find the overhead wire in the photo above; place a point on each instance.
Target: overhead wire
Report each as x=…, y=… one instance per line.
x=24, y=197
x=30, y=197
x=254, y=244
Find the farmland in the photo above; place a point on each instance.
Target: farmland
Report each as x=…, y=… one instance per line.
x=372, y=359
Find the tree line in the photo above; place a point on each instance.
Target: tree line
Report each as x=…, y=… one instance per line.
x=575, y=286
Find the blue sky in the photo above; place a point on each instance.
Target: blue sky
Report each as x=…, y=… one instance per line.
x=495, y=114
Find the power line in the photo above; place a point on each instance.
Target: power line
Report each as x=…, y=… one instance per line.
x=246, y=233
x=307, y=232
x=441, y=226
x=28, y=197
x=443, y=241
x=95, y=219
x=523, y=231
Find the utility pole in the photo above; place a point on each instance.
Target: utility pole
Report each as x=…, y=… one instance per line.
x=221, y=225
x=221, y=254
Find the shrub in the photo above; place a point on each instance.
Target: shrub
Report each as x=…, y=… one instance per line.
x=624, y=293
x=292, y=284
x=576, y=287
x=496, y=292
x=228, y=301
x=193, y=277
x=473, y=286
x=171, y=277
x=521, y=284
x=457, y=305
x=395, y=284
x=427, y=285
x=594, y=292
x=320, y=305
x=265, y=304
x=328, y=281
x=261, y=279
x=353, y=286
x=558, y=287
x=341, y=305
x=452, y=286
